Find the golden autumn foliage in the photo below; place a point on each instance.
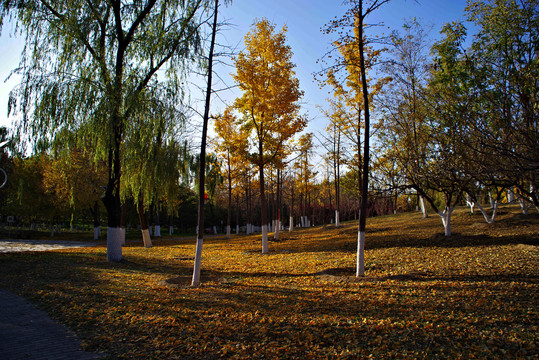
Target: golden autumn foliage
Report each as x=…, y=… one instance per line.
x=424, y=296
x=269, y=106
x=270, y=102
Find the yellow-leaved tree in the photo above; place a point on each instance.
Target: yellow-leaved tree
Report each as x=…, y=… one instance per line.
x=269, y=106
x=230, y=145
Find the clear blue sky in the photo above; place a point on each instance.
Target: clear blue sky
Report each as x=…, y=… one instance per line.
x=304, y=18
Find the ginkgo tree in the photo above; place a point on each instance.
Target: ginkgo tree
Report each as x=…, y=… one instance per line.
x=229, y=144
x=356, y=58
x=269, y=106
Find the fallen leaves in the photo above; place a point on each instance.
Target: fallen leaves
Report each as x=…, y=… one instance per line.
x=470, y=296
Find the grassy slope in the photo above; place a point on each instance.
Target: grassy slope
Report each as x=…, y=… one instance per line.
x=425, y=296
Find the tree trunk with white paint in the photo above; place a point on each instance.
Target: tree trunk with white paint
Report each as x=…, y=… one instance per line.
x=337, y=224
x=423, y=207
x=265, y=247
x=446, y=219
x=277, y=228
x=488, y=219
x=202, y=173
x=157, y=231
x=115, y=238
x=171, y=230
x=237, y=229
x=360, y=261
x=97, y=231
x=510, y=196
x=146, y=238
x=470, y=203
x=146, y=235
x=491, y=200
x=291, y=227
x=522, y=203
x=228, y=231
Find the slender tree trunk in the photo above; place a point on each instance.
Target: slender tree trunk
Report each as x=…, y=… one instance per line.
x=111, y=200
x=157, y=228
x=489, y=220
x=278, y=208
x=97, y=222
x=263, y=210
x=360, y=268
x=446, y=219
x=144, y=225
x=229, y=210
x=291, y=226
x=423, y=207
x=202, y=173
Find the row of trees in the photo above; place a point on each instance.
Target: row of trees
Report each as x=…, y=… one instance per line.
x=450, y=122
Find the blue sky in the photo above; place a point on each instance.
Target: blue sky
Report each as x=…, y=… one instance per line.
x=303, y=18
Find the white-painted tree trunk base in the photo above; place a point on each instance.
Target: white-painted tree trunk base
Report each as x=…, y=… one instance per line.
x=423, y=207
x=510, y=196
x=215, y=230
x=228, y=231
x=491, y=200
x=523, y=206
x=291, y=227
x=485, y=214
x=115, y=238
x=277, y=229
x=198, y=259
x=265, y=247
x=171, y=230
x=446, y=220
x=337, y=224
x=237, y=229
x=360, y=260
x=146, y=238
x=97, y=232
x=157, y=231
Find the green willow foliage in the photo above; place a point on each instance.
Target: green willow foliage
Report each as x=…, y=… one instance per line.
x=111, y=72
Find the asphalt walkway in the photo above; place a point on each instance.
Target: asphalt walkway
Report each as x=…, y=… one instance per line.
x=27, y=332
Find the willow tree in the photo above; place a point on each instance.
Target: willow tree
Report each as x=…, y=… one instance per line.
x=151, y=160
x=356, y=57
x=270, y=102
x=86, y=66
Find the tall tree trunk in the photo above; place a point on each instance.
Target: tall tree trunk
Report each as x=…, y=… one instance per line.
x=97, y=223
x=146, y=239
x=263, y=210
x=112, y=202
x=229, y=210
x=291, y=226
x=202, y=170
x=278, y=208
x=360, y=268
x=423, y=207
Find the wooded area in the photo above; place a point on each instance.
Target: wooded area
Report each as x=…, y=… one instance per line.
x=411, y=124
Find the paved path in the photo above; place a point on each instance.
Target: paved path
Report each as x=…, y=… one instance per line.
x=40, y=245
x=28, y=333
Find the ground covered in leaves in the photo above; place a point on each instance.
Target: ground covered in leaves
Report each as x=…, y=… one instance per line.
x=473, y=295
